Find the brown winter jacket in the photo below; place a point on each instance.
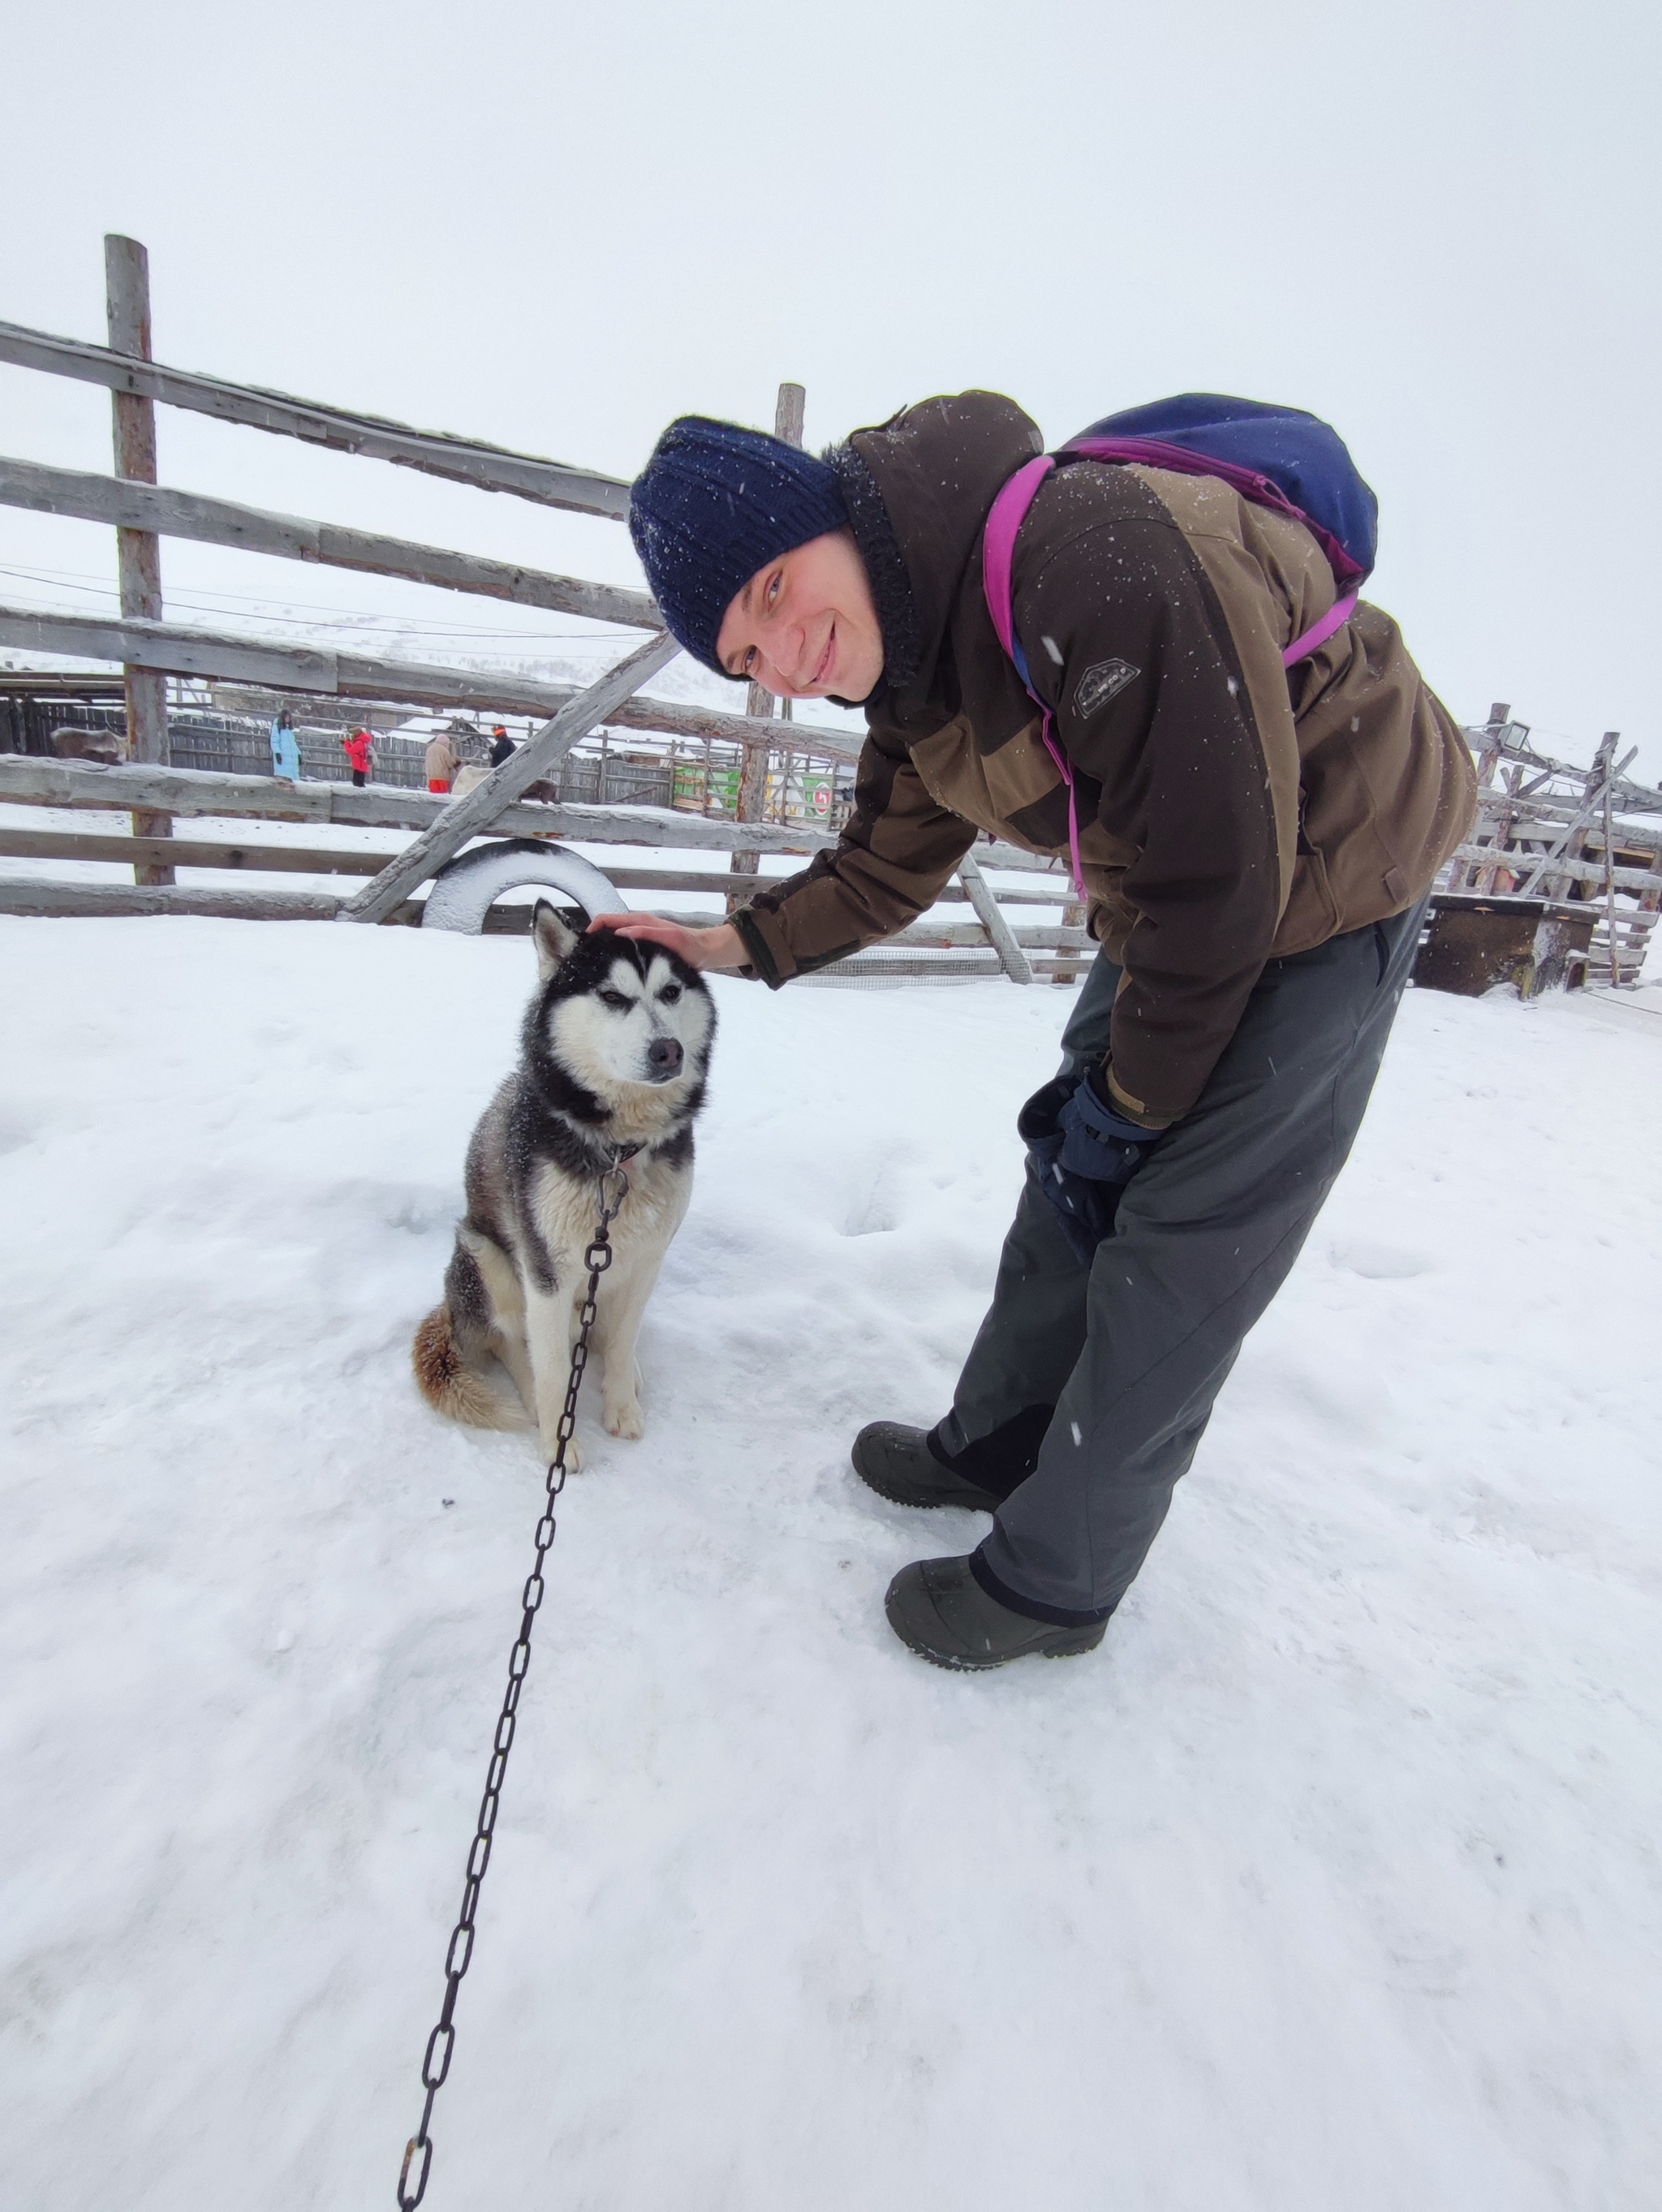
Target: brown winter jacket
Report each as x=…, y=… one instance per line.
x=1229, y=812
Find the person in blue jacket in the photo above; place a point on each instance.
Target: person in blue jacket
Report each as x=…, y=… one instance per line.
x=285, y=747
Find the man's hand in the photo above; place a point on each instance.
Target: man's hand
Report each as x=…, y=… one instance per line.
x=1083, y=1154
x=721, y=947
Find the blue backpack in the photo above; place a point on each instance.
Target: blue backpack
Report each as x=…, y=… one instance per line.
x=1261, y=451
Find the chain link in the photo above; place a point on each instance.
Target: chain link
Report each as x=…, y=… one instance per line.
x=436, y=2063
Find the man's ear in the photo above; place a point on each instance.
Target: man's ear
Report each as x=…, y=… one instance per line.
x=555, y=942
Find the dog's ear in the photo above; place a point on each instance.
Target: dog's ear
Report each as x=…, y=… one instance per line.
x=555, y=942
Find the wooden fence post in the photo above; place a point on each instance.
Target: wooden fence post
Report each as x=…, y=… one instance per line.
x=788, y=415
x=138, y=552
x=1072, y=917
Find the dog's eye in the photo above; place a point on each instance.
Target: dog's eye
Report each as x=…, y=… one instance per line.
x=669, y=994
x=620, y=999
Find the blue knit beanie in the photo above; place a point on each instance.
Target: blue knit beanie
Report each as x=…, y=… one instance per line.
x=712, y=506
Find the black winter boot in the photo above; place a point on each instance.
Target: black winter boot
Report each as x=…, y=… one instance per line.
x=939, y=1609
x=899, y=1464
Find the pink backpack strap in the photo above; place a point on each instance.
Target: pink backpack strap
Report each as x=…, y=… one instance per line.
x=998, y=550
x=1319, y=633
x=1009, y=511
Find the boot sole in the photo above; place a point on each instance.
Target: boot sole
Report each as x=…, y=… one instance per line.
x=1071, y=1647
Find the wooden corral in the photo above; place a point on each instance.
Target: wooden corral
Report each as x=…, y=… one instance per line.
x=710, y=756
x=1558, y=882
x=1566, y=838
x=967, y=948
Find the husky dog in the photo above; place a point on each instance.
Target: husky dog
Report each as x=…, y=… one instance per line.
x=612, y=1060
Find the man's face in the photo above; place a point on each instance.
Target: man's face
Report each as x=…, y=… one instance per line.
x=806, y=625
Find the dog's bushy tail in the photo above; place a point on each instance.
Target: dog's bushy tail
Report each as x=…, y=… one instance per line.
x=454, y=1385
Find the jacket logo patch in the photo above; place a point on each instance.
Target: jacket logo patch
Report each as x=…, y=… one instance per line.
x=1100, y=684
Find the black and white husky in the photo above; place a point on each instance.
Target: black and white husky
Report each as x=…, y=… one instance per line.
x=612, y=1056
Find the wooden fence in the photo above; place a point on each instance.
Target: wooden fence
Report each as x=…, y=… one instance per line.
x=1545, y=831
x=1052, y=949
x=150, y=649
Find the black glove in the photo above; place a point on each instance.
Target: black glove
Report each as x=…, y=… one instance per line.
x=1083, y=1154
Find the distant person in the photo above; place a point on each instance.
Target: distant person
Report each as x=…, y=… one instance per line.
x=359, y=748
x=502, y=747
x=285, y=747
x=441, y=763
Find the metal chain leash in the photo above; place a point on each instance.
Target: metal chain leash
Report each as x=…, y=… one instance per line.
x=435, y=2065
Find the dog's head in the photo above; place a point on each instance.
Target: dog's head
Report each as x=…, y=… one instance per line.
x=625, y=1023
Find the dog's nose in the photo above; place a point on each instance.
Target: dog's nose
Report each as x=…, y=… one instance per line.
x=664, y=1057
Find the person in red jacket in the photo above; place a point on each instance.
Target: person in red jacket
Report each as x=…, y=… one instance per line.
x=359, y=748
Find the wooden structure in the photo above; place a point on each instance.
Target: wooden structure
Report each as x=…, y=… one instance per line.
x=138, y=552
x=151, y=649
x=1558, y=847
x=1567, y=844
x=926, y=950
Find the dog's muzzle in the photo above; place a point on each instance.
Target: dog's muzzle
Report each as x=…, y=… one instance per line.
x=663, y=1058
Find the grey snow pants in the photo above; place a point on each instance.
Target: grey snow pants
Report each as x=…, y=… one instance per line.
x=1116, y=1364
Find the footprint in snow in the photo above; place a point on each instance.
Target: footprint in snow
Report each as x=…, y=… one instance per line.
x=1379, y=1261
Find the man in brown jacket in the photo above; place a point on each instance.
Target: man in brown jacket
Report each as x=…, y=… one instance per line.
x=1257, y=843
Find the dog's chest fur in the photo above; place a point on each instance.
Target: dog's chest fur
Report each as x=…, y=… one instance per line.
x=562, y=1211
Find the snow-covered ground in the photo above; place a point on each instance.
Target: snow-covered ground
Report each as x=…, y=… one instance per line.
x=1330, y=1884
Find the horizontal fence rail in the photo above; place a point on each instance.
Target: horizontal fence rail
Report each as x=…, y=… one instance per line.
x=991, y=944
x=435, y=453
x=29, y=780
x=130, y=505
x=267, y=858
x=917, y=957
x=180, y=650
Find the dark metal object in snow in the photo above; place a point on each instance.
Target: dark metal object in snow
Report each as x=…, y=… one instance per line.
x=436, y=2063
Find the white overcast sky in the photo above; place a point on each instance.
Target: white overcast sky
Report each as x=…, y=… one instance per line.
x=556, y=226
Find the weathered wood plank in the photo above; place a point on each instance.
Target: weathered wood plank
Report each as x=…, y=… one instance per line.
x=188, y=853
x=1579, y=872
x=138, y=552
x=435, y=453
x=760, y=705
x=970, y=937
x=171, y=647
x=90, y=900
x=464, y=818
x=257, y=858
x=957, y=968
x=31, y=779
x=184, y=651
x=84, y=899
x=1072, y=917
x=260, y=858
x=1006, y=942
x=948, y=937
x=27, y=779
x=290, y=538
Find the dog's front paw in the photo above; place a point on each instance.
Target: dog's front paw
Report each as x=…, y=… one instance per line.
x=625, y=1420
